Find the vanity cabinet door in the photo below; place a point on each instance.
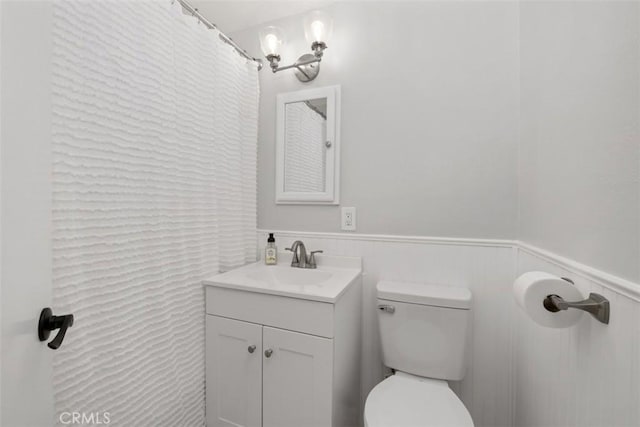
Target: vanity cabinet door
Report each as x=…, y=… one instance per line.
x=233, y=373
x=297, y=379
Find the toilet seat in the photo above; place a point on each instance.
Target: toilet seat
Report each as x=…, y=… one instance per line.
x=405, y=400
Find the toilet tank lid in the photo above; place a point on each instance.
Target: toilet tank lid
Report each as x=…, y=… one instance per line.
x=425, y=294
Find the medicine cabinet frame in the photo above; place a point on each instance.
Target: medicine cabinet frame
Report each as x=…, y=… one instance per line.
x=331, y=195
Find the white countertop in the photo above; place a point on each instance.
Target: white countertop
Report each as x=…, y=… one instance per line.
x=325, y=283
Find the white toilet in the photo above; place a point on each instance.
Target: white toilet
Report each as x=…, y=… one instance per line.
x=424, y=330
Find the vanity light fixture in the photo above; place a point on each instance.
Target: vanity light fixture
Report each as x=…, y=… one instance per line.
x=318, y=27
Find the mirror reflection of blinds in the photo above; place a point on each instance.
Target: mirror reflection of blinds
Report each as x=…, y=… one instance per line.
x=305, y=151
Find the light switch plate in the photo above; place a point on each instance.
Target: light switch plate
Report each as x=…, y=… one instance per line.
x=348, y=222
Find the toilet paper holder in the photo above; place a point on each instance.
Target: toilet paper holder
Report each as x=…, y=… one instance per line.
x=596, y=305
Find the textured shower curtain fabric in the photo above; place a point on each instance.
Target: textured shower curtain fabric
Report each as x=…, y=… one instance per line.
x=154, y=189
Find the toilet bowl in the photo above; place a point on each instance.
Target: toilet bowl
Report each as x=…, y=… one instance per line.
x=424, y=330
x=405, y=400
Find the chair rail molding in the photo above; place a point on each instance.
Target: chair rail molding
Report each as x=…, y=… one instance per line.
x=610, y=281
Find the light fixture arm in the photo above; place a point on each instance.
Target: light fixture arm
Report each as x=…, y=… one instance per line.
x=298, y=64
x=307, y=66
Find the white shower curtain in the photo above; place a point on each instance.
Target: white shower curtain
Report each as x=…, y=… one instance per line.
x=154, y=145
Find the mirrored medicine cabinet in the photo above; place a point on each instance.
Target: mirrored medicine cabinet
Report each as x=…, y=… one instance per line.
x=308, y=146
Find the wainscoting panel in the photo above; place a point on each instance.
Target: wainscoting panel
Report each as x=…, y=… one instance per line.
x=587, y=375
x=520, y=374
x=485, y=267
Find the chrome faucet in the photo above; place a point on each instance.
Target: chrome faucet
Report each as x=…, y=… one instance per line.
x=300, y=259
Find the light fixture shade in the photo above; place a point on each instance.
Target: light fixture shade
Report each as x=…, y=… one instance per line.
x=318, y=27
x=271, y=40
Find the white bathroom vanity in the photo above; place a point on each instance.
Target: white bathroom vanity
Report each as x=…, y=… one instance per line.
x=283, y=345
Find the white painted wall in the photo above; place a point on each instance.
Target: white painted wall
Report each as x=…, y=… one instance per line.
x=433, y=94
x=429, y=101
x=580, y=132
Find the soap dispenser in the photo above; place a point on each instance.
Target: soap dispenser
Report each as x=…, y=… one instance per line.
x=271, y=251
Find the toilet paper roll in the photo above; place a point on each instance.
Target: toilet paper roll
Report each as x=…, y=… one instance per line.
x=533, y=287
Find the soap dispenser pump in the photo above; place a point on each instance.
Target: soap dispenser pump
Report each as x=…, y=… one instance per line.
x=271, y=251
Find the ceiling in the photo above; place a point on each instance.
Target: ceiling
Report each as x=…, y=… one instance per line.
x=235, y=15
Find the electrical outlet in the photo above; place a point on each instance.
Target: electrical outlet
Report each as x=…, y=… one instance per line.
x=349, y=219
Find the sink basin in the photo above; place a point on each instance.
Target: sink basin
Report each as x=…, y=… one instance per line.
x=326, y=283
x=290, y=276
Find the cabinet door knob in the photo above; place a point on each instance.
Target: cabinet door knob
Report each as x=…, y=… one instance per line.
x=268, y=352
x=251, y=348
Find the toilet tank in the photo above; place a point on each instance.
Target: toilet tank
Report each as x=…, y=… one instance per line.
x=424, y=329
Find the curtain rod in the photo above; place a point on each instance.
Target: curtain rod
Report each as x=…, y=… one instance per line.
x=225, y=38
